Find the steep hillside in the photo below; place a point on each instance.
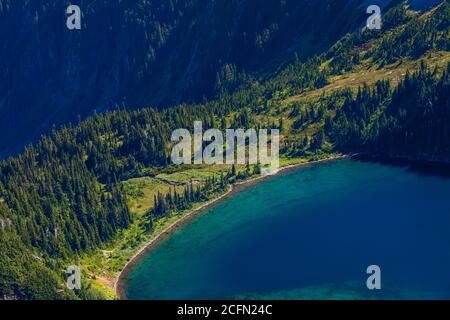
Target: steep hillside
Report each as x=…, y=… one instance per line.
x=139, y=53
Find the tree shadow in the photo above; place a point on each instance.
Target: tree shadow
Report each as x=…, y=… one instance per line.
x=421, y=167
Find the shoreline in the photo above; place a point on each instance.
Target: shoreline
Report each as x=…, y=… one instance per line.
x=119, y=281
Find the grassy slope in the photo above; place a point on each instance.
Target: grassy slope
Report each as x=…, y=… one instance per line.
x=102, y=267
x=367, y=73
x=364, y=73
x=141, y=191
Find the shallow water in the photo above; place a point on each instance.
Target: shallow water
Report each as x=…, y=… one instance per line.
x=311, y=234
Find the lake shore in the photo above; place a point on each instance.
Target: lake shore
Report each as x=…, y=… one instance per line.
x=121, y=278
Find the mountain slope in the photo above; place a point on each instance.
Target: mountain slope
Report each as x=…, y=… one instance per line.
x=139, y=53
x=68, y=195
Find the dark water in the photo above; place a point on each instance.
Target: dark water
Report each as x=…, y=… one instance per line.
x=311, y=234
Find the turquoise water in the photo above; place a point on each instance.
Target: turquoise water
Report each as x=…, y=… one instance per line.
x=311, y=234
